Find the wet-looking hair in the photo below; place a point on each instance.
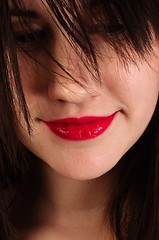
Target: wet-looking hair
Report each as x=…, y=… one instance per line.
x=129, y=27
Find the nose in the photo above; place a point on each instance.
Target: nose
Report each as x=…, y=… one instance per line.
x=70, y=92
x=64, y=89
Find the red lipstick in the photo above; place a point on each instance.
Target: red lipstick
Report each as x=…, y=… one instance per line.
x=78, y=129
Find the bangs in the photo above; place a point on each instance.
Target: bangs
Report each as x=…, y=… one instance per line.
x=128, y=27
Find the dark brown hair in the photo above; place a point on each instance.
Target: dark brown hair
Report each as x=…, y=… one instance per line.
x=133, y=209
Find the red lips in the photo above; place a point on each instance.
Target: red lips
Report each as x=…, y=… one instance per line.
x=78, y=129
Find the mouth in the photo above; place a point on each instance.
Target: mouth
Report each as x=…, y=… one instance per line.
x=79, y=129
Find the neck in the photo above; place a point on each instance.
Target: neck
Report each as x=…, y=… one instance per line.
x=60, y=201
x=68, y=196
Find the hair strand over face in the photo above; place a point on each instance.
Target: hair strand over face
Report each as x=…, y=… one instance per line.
x=133, y=209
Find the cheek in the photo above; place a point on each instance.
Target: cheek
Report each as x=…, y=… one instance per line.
x=136, y=87
x=142, y=90
x=32, y=80
x=27, y=73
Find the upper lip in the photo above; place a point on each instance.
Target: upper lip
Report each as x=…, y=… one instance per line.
x=79, y=120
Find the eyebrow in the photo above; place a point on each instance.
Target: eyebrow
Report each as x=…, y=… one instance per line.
x=24, y=13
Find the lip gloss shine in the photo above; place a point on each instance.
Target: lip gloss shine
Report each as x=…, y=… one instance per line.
x=78, y=129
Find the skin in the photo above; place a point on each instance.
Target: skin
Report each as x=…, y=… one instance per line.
x=76, y=178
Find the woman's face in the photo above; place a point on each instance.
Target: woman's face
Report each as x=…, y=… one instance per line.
x=131, y=93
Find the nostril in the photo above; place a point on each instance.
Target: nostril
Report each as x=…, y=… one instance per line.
x=61, y=100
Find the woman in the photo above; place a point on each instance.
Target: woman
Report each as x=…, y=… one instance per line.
x=79, y=119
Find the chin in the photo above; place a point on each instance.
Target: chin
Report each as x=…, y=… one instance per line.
x=82, y=168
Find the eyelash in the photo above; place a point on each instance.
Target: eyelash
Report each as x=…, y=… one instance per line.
x=31, y=39
x=102, y=29
x=26, y=37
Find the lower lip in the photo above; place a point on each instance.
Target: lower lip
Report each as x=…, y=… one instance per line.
x=84, y=128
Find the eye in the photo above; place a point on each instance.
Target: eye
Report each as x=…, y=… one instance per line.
x=103, y=29
x=26, y=37
x=115, y=28
x=32, y=39
x=104, y=25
